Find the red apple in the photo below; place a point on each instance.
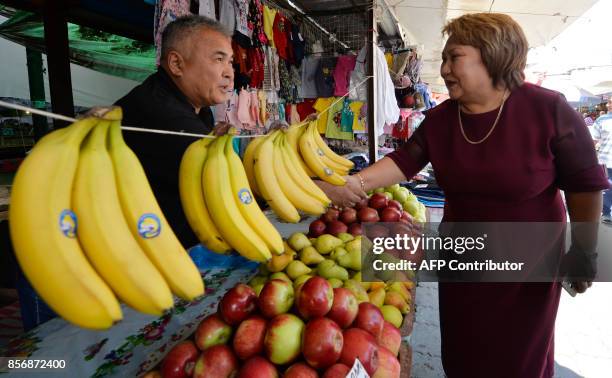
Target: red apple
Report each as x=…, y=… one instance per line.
x=179, y=362
x=406, y=216
x=216, y=362
x=355, y=229
x=388, y=365
x=237, y=304
x=257, y=367
x=337, y=371
x=367, y=214
x=322, y=343
x=344, y=309
x=348, y=216
x=390, y=338
x=316, y=228
x=369, y=318
x=212, y=331
x=283, y=340
x=377, y=231
x=300, y=370
x=361, y=204
x=360, y=344
x=331, y=215
x=395, y=204
x=275, y=298
x=378, y=201
x=390, y=214
x=315, y=298
x=249, y=337
x=336, y=227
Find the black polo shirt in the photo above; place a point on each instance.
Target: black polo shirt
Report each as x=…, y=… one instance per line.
x=158, y=103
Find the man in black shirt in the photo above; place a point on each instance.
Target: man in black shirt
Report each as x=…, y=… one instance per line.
x=195, y=73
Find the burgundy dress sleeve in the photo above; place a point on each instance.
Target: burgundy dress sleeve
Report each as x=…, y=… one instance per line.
x=412, y=156
x=575, y=159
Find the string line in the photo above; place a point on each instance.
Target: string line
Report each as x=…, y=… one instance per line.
x=157, y=131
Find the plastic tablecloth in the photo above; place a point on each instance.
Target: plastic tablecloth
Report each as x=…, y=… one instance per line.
x=139, y=341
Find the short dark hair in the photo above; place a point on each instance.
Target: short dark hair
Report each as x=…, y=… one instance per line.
x=501, y=41
x=182, y=27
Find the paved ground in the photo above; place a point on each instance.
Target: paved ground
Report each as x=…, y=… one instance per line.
x=583, y=343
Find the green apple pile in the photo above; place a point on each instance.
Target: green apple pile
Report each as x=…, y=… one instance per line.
x=406, y=198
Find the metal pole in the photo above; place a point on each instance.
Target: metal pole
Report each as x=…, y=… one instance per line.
x=37, y=91
x=56, y=41
x=372, y=135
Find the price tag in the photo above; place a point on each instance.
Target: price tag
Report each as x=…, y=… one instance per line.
x=358, y=371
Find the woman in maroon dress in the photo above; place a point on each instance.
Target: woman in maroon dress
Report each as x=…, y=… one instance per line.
x=501, y=150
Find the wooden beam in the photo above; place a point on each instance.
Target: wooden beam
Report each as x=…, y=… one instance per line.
x=58, y=63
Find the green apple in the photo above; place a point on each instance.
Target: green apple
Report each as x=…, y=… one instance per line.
x=283, y=339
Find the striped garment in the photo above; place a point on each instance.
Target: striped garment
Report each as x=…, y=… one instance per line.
x=601, y=131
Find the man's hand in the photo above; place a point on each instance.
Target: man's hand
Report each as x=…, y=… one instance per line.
x=344, y=196
x=221, y=128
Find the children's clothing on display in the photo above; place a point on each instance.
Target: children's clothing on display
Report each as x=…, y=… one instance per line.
x=344, y=66
x=281, y=38
x=298, y=44
x=305, y=108
x=167, y=11
x=207, y=9
x=310, y=65
x=268, y=21
x=357, y=122
x=242, y=22
x=320, y=105
x=339, y=115
x=263, y=102
x=324, y=78
x=227, y=14
x=228, y=111
x=244, y=111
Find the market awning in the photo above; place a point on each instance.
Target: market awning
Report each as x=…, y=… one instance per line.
x=422, y=20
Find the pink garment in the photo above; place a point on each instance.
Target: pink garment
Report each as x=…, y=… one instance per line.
x=254, y=109
x=167, y=11
x=228, y=111
x=295, y=115
x=244, y=111
x=342, y=74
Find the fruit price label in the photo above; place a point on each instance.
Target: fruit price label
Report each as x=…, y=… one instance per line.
x=358, y=371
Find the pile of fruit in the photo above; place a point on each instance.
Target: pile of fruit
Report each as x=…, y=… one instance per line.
x=87, y=230
x=312, y=330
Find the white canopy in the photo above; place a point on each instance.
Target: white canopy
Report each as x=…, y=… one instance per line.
x=422, y=20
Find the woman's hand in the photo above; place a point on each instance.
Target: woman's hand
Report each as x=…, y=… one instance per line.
x=344, y=196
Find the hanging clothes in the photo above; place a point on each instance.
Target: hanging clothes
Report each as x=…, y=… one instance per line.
x=389, y=59
x=358, y=84
x=357, y=122
x=324, y=78
x=271, y=79
x=342, y=73
x=281, y=38
x=256, y=60
x=255, y=20
x=167, y=11
x=254, y=109
x=227, y=14
x=387, y=112
x=244, y=111
x=399, y=64
x=305, y=108
x=263, y=104
x=207, y=9
x=339, y=121
x=310, y=66
x=242, y=18
x=298, y=45
x=269, y=14
x=321, y=106
x=228, y=111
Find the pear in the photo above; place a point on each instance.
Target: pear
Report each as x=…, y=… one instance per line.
x=310, y=256
x=312, y=240
x=326, y=243
x=351, y=260
x=279, y=262
x=400, y=288
x=257, y=280
x=377, y=285
x=300, y=280
x=409, y=285
x=329, y=269
x=280, y=276
x=288, y=249
x=335, y=283
x=353, y=245
x=365, y=285
x=355, y=288
x=394, y=298
x=298, y=241
x=392, y=315
x=297, y=268
x=345, y=237
x=377, y=297
x=257, y=288
x=337, y=252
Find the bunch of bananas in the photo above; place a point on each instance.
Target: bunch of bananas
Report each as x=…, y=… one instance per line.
x=218, y=203
x=87, y=229
x=276, y=174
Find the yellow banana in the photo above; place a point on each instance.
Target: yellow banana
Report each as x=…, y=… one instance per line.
x=308, y=150
x=192, y=197
x=293, y=135
x=300, y=198
x=298, y=175
x=43, y=231
x=105, y=234
x=224, y=211
x=247, y=161
x=246, y=203
x=337, y=160
x=268, y=182
x=147, y=222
